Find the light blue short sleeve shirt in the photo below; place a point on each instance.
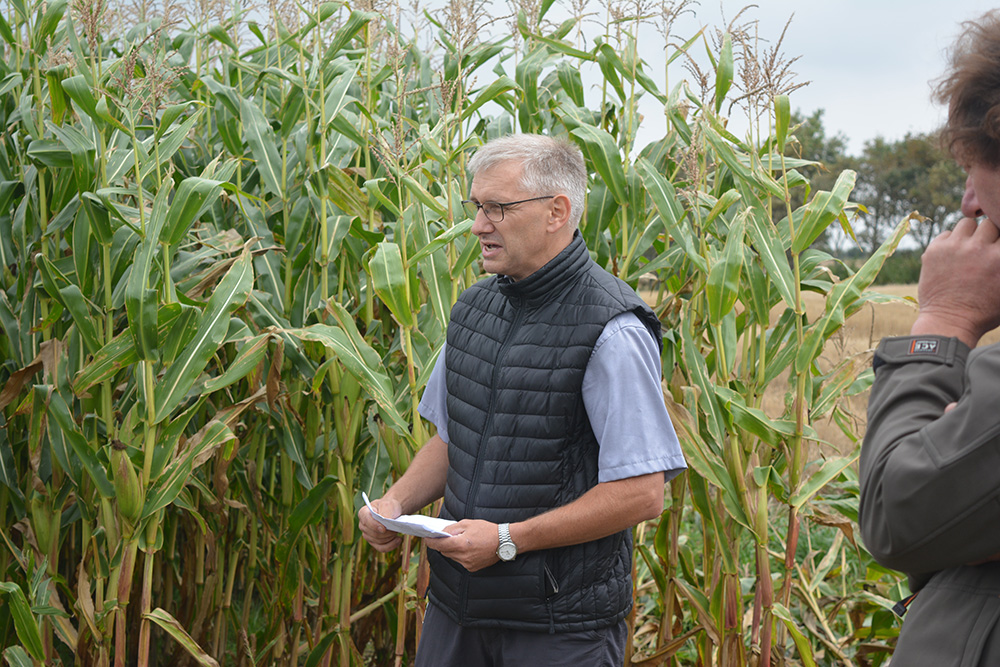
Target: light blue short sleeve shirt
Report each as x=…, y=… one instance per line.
x=623, y=399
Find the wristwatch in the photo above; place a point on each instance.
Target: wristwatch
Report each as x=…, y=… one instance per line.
x=507, y=549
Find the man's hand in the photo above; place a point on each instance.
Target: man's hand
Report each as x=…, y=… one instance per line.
x=473, y=544
x=381, y=538
x=959, y=289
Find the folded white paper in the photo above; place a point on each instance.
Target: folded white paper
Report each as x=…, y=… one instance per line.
x=411, y=524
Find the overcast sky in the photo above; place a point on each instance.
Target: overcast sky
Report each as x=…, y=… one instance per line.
x=869, y=61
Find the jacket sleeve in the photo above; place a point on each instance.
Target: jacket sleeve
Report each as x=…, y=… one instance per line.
x=930, y=480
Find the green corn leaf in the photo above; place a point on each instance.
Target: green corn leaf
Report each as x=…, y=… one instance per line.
x=50, y=153
x=843, y=296
x=306, y=512
x=664, y=197
x=389, y=279
x=767, y=242
x=355, y=22
x=57, y=97
x=442, y=239
x=724, y=72
x=195, y=195
x=18, y=657
x=801, y=642
x=571, y=82
x=424, y=197
x=11, y=81
x=603, y=154
x=82, y=94
x=372, y=187
x=172, y=627
x=555, y=45
x=166, y=147
x=140, y=300
x=319, y=652
x=782, y=118
x=170, y=114
x=263, y=146
x=611, y=65
x=231, y=293
x=175, y=338
x=82, y=152
x=828, y=472
x=45, y=28
x=78, y=309
x=224, y=95
x=527, y=73
x=24, y=622
x=7, y=33
x=337, y=98
x=437, y=280
x=120, y=352
x=359, y=359
x=492, y=93
x=53, y=280
x=723, y=286
x=246, y=360
x=219, y=34
x=165, y=488
x=818, y=214
x=63, y=420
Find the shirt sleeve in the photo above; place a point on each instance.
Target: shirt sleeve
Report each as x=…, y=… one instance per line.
x=434, y=403
x=929, y=480
x=624, y=401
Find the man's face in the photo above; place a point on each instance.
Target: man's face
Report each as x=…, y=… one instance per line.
x=520, y=244
x=982, y=193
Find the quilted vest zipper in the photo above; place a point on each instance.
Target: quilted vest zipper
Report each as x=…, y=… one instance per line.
x=517, y=303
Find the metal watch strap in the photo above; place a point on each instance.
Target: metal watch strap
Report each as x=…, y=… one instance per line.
x=504, y=533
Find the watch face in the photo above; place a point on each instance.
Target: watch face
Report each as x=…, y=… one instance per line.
x=507, y=551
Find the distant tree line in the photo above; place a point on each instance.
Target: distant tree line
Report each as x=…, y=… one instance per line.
x=914, y=173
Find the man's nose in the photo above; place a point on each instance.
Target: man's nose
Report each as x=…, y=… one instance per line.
x=970, y=202
x=481, y=224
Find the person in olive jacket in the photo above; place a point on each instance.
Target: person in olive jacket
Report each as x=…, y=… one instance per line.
x=930, y=462
x=552, y=435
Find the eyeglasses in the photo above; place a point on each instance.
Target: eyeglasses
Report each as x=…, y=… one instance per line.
x=494, y=209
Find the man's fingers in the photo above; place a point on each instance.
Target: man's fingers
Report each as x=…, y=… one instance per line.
x=987, y=231
x=965, y=227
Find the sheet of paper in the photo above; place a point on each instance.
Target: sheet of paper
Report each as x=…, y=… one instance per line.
x=411, y=524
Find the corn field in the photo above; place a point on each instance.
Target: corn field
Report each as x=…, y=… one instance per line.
x=230, y=241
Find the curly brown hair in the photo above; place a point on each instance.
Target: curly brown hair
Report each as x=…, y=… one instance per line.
x=971, y=89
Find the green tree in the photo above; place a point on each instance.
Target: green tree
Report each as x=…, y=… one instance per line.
x=897, y=177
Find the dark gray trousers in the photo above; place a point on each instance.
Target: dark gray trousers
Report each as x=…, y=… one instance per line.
x=443, y=643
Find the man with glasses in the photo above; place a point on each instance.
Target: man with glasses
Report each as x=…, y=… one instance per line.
x=552, y=436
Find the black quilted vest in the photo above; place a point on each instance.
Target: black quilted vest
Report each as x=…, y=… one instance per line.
x=521, y=444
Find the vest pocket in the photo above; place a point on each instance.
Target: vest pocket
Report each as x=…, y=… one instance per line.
x=551, y=584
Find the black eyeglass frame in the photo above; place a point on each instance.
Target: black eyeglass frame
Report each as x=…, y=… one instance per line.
x=479, y=206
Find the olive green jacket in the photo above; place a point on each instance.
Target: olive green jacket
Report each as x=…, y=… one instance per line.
x=930, y=494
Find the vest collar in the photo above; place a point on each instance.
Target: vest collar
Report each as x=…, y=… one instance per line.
x=559, y=272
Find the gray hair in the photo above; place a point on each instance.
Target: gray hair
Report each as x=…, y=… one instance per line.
x=550, y=167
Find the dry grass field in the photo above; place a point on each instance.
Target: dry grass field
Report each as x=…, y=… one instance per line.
x=859, y=337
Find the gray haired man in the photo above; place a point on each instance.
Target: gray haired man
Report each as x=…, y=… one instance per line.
x=552, y=436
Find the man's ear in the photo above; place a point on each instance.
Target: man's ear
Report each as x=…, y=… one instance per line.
x=559, y=211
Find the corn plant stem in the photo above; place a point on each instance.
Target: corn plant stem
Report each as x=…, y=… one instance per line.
x=401, y=601
x=121, y=580
x=346, y=577
x=147, y=599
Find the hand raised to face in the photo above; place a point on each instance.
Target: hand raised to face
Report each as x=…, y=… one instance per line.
x=959, y=289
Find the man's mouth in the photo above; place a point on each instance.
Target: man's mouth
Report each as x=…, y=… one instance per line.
x=489, y=247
